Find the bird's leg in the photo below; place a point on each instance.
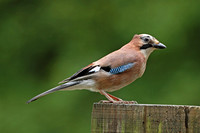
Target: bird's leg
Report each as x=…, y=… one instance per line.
x=114, y=97
x=118, y=100
x=107, y=96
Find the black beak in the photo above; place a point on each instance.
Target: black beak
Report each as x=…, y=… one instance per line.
x=159, y=46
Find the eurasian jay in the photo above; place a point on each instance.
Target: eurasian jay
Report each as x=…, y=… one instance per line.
x=113, y=71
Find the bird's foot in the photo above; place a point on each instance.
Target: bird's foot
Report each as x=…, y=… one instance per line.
x=118, y=102
x=105, y=101
x=125, y=102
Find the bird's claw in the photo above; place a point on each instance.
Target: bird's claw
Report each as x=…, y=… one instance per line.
x=105, y=101
x=125, y=102
x=118, y=102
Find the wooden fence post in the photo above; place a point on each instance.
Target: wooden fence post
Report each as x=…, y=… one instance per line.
x=145, y=118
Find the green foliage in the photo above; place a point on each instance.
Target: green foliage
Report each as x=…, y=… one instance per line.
x=43, y=42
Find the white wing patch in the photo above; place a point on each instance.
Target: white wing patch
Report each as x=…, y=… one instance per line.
x=95, y=69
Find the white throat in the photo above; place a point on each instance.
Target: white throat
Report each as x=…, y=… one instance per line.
x=147, y=52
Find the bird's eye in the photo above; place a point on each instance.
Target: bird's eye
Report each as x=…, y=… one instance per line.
x=146, y=39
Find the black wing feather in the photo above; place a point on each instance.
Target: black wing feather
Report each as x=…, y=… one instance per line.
x=83, y=72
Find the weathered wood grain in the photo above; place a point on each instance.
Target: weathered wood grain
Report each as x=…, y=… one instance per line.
x=145, y=118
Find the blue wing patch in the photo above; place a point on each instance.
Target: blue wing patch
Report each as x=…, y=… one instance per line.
x=121, y=69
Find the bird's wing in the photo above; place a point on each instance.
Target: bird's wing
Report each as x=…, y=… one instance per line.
x=83, y=72
x=87, y=71
x=119, y=69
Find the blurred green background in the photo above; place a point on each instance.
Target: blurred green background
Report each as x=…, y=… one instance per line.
x=43, y=42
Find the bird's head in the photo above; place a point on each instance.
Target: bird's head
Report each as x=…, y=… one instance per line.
x=147, y=44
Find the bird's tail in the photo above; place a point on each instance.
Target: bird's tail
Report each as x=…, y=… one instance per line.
x=60, y=87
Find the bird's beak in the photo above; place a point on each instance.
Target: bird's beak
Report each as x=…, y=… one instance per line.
x=159, y=46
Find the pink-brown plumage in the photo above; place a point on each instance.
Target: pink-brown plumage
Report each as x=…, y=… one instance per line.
x=113, y=71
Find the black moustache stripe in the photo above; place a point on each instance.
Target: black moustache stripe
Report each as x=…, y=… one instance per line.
x=145, y=46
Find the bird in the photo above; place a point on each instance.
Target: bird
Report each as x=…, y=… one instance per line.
x=113, y=71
